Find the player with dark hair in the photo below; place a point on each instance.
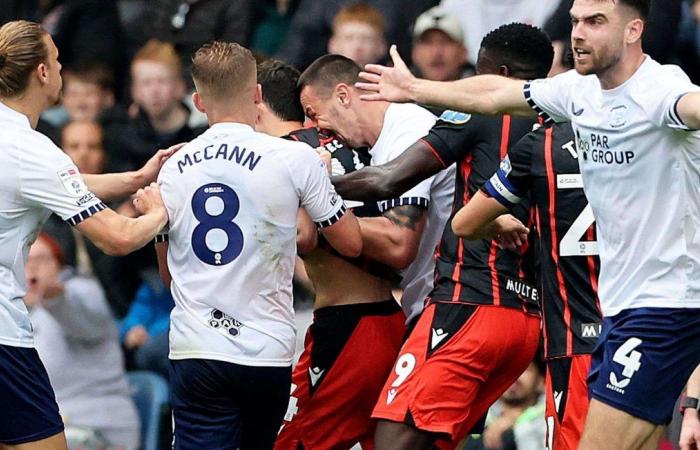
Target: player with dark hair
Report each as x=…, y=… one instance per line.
x=543, y=167
x=478, y=286
x=335, y=383
x=636, y=124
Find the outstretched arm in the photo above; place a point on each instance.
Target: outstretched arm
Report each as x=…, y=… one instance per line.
x=689, y=110
x=483, y=94
x=391, y=179
x=114, y=186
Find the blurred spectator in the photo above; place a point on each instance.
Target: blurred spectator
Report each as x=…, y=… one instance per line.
x=120, y=276
x=158, y=117
x=76, y=338
x=88, y=90
x=516, y=420
x=85, y=31
x=188, y=24
x=478, y=17
x=659, y=38
x=438, y=49
x=312, y=26
x=272, y=19
x=358, y=34
x=144, y=330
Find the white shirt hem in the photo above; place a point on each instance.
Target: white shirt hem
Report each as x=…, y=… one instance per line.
x=653, y=303
x=255, y=362
x=24, y=343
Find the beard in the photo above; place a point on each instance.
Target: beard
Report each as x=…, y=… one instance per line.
x=599, y=64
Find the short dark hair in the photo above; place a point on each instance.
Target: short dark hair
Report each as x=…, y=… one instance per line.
x=525, y=49
x=328, y=71
x=92, y=72
x=279, y=89
x=641, y=6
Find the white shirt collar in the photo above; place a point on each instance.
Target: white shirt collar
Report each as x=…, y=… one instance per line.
x=9, y=114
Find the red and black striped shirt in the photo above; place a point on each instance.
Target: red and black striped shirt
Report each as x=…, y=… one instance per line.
x=479, y=272
x=543, y=167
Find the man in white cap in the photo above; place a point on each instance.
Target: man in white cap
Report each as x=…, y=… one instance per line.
x=438, y=46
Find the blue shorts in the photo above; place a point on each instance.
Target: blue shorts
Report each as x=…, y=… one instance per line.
x=643, y=360
x=29, y=411
x=223, y=406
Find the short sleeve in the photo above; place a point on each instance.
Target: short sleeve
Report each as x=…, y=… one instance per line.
x=452, y=137
x=511, y=182
x=50, y=179
x=661, y=103
x=316, y=193
x=550, y=97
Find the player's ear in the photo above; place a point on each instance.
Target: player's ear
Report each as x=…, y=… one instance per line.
x=342, y=94
x=504, y=71
x=197, y=101
x=634, y=30
x=42, y=73
x=258, y=94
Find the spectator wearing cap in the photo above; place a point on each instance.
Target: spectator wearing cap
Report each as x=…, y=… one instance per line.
x=438, y=50
x=479, y=17
x=358, y=34
x=76, y=337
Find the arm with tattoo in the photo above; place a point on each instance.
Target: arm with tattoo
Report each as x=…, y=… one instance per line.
x=391, y=179
x=394, y=237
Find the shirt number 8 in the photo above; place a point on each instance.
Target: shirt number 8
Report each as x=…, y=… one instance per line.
x=216, y=240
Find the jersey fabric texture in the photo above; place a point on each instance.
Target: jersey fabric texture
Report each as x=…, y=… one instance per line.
x=337, y=380
x=38, y=179
x=30, y=412
x=478, y=272
x=643, y=359
x=542, y=168
x=232, y=197
x=639, y=166
x=403, y=125
x=458, y=360
x=221, y=406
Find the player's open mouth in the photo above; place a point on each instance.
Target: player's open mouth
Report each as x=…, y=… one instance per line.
x=580, y=54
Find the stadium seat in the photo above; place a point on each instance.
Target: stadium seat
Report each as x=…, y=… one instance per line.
x=150, y=393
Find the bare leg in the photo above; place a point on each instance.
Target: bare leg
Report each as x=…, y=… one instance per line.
x=399, y=436
x=55, y=442
x=607, y=428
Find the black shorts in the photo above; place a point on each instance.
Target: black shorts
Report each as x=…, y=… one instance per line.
x=29, y=411
x=221, y=406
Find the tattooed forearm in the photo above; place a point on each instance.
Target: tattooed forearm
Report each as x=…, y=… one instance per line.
x=405, y=216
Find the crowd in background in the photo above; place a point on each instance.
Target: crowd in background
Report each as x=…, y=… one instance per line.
x=126, y=94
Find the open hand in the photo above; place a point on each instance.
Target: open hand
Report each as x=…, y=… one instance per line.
x=392, y=84
x=149, y=172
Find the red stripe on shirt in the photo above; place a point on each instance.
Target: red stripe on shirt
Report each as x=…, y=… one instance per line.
x=465, y=168
x=593, y=273
x=495, y=283
x=549, y=165
x=434, y=152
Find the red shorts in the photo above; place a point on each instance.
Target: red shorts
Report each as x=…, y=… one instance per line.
x=348, y=354
x=458, y=360
x=567, y=401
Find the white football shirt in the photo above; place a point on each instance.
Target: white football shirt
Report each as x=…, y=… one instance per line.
x=232, y=196
x=404, y=124
x=639, y=164
x=36, y=179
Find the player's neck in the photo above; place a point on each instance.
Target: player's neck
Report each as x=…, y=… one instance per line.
x=281, y=128
x=372, y=122
x=622, y=71
x=27, y=106
x=242, y=116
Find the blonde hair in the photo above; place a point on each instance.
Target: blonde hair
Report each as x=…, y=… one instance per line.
x=223, y=68
x=159, y=52
x=360, y=12
x=22, y=49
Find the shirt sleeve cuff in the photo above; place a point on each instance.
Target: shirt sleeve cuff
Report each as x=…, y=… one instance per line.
x=85, y=214
x=334, y=218
x=403, y=201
